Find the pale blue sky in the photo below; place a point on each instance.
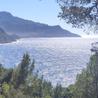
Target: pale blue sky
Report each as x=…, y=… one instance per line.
x=43, y=11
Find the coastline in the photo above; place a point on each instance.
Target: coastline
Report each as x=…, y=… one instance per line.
x=7, y=42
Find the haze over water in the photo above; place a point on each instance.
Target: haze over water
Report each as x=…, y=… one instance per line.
x=57, y=59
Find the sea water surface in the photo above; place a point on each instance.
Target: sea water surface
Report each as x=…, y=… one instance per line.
x=59, y=60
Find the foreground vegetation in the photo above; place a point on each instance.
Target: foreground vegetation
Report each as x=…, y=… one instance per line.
x=22, y=82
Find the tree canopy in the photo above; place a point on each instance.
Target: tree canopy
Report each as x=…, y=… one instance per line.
x=79, y=12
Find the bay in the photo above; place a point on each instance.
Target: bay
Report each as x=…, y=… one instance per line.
x=59, y=60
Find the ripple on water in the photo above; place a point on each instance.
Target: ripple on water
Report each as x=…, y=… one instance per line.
x=57, y=59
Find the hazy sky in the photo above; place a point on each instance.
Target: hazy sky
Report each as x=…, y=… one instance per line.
x=44, y=11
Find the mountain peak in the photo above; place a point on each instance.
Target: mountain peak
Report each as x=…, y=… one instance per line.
x=27, y=28
x=57, y=26
x=5, y=14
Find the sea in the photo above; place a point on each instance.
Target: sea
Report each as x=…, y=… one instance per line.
x=58, y=60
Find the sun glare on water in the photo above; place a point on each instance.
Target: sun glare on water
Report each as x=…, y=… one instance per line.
x=90, y=36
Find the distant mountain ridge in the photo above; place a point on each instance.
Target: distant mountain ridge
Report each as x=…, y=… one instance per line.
x=27, y=28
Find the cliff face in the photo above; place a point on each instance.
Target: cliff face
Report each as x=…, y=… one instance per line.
x=27, y=28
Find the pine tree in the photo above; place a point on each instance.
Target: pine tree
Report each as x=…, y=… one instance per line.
x=86, y=85
x=23, y=70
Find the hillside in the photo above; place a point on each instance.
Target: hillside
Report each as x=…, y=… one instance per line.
x=27, y=28
x=5, y=38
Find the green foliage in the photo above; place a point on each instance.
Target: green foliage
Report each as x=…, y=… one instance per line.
x=1, y=96
x=23, y=70
x=58, y=91
x=79, y=12
x=20, y=82
x=86, y=85
x=5, y=88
